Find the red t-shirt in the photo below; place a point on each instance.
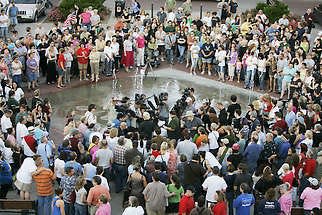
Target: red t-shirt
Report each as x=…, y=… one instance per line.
x=186, y=204
x=309, y=167
x=82, y=55
x=61, y=59
x=155, y=153
x=220, y=208
x=289, y=177
x=281, y=124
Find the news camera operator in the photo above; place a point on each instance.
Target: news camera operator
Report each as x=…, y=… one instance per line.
x=163, y=107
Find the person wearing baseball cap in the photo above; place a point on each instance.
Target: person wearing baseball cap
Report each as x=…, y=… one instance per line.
x=311, y=196
x=235, y=158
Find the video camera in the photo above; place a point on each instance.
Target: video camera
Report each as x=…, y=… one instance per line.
x=181, y=103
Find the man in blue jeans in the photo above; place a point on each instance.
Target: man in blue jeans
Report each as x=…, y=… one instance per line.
x=44, y=179
x=119, y=165
x=251, y=63
x=170, y=41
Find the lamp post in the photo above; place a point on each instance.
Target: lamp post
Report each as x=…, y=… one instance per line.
x=200, y=10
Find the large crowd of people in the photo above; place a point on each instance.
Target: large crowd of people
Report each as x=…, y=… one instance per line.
x=194, y=158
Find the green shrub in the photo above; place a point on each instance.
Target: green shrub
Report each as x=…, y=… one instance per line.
x=261, y=6
x=66, y=5
x=274, y=11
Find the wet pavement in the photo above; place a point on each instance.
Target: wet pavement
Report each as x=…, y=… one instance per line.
x=168, y=80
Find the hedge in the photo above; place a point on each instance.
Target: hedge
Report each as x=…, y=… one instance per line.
x=274, y=11
x=66, y=5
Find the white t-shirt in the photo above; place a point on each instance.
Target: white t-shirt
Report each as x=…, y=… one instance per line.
x=26, y=149
x=21, y=131
x=162, y=158
x=133, y=211
x=4, y=21
x=212, y=184
x=90, y=118
x=212, y=160
x=19, y=94
x=207, y=21
x=104, y=182
x=104, y=157
x=27, y=168
x=171, y=16
x=5, y=123
x=213, y=140
x=81, y=192
x=59, y=167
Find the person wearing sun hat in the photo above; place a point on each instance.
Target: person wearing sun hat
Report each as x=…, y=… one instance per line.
x=311, y=196
x=191, y=122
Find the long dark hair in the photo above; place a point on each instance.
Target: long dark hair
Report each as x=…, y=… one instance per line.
x=176, y=181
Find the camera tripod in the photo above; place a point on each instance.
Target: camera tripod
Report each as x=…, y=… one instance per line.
x=149, y=66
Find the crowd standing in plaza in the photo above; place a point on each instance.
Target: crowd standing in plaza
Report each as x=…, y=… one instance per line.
x=190, y=159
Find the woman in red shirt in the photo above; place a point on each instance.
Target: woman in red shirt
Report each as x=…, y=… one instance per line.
x=220, y=208
x=61, y=68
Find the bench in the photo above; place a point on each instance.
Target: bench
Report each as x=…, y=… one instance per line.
x=17, y=206
x=299, y=211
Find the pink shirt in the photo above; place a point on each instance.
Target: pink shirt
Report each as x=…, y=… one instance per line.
x=286, y=203
x=312, y=198
x=140, y=41
x=104, y=209
x=86, y=17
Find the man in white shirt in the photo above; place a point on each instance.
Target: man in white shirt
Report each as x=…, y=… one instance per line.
x=212, y=184
x=213, y=139
x=251, y=63
x=109, y=59
x=21, y=129
x=6, y=121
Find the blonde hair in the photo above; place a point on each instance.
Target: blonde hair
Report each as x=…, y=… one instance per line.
x=114, y=132
x=163, y=148
x=80, y=182
x=309, y=134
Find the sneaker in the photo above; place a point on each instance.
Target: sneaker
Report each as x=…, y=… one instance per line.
x=194, y=73
x=203, y=72
x=209, y=73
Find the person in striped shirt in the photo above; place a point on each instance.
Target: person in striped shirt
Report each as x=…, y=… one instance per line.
x=44, y=179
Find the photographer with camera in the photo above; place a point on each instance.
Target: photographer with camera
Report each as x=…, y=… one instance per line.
x=163, y=107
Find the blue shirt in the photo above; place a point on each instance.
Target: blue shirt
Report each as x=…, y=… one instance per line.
x=5, y=173
x=251, y=153
x=243, y=203
x=290, y=118
x=283, y=150
x=13, y=11
x=45, y=151
x=76, y=166
x=288, y=74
